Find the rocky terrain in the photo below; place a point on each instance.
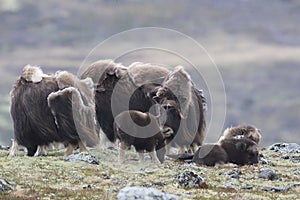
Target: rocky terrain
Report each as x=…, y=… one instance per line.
x=99, y=176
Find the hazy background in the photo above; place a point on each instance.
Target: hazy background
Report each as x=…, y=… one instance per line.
x=255, y=44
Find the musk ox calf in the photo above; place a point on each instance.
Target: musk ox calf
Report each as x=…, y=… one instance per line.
x=238, y=151
x=241, y=131
x=141, y=130
x=41, y=109
x=119, y=88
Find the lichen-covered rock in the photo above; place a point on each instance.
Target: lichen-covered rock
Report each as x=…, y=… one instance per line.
x=275, y=189
x=83, y=156
x=132, y=193
x=285, y=148
x=190, y=180
x=6, y=186
x=233, y=173
x=268, y=174
x=4, y=147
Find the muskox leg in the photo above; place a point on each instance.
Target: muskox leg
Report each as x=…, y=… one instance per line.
x=14, y=148
x=31, y=150
x=141, y=157
x=194, y=147
x=121, y=150
x=82, y=147
x=154, y=157
x=70, y=149
x=181, y=150
x=41, y=150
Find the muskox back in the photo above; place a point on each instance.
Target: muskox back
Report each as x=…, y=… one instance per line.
x=33, y=122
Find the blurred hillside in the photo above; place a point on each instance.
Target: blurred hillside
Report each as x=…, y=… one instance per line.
x=255, y=44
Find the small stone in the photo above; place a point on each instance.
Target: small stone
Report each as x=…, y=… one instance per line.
x=87, y=186
x=6, y=148
x=285, y=157
x=247, y=187
x=158, y=183
x=276, y=189
x=268, y=174
x=295, y=159
x=264, y=161
x=295, y=185
x=233, y=173
x=83, y=156
x=6, y=186
x=190, y=180
x=144, y=193
x=285, y=148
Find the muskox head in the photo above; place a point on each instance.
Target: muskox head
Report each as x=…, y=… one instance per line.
x=250, y=132
x=184, y=106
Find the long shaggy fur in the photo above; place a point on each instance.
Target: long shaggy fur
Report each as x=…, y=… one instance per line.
x=74, y=109
x=187, y=109
x=41, y=109
x=238, y=151
x=250, y=132
x=32, y=118
x=116, y=85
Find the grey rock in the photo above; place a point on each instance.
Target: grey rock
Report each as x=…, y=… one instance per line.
x=295, y=159
x=265, y=161
x=246, y=187
x=4, y=147
x=83, y=156
x=132, y=193
x=268, y=174
x=6, y=185
x=295, y=185
x=275, y=189
x=285, y=148
x=233, y=173
x=190, y=180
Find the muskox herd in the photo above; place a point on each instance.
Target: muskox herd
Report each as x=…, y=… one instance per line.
x=143, y=105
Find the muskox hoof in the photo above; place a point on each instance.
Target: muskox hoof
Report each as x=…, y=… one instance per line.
x=31, y=151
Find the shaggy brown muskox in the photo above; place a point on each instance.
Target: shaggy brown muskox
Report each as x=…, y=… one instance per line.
x=74, y=111
x=238, y=151
x=34, y=123
x=118, y=89
x=141, y=130
x=185, y=106
x=250, y=132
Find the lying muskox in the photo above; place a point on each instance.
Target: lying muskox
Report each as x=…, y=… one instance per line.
x=119, y=88
x=141, y=130
x=240, y=131
x=233, y=150
x=41, y=109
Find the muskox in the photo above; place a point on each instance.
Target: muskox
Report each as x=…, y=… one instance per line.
x=250, y=132
x=141, y=130
x=238, y=151
x=39, y=107
x=185, y=106
x=119, y=88
x=73, y=109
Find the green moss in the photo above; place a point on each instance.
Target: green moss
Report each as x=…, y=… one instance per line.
x=52, y=177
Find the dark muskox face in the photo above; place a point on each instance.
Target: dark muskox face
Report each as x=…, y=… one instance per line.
x=241, y=151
